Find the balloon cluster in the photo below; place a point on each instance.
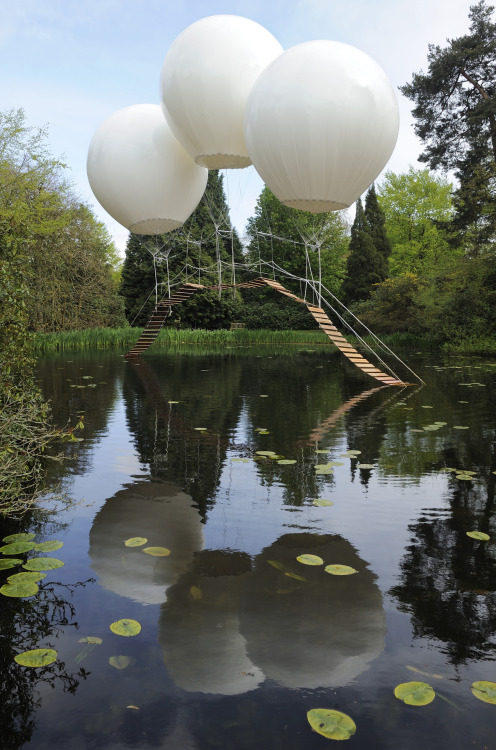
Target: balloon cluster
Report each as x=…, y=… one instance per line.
x=318, y=121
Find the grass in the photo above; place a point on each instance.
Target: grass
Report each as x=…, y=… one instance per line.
x=471, y=345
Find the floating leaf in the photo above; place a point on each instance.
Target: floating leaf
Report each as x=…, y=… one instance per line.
x=136, y=541
x=172, y=402
x=37, y=657
x=17, y=548
x=424, y=406
x=120, y=662
x=287, y=461
x=321, y=502
x=441, y=424
x=19, y=589
x=460, y=427
x=43, y=563
x=415, y=693
x=93, y=639
x=241, y=460
x=265, y=453
x=484, y=691
x=157, y=551
x=25, y=576
x=322, y=451
x=322, y=466
x=479, y=535
x=50, y=546
x=340, y=570
x=336, y=463
x=425, y=674
x=328, y=470
x=263, y=432
x=464, y=477
x=196, y=593
x=365, y=466
x=310, y=560
x=353, y=453
x=200, y=429
x=264, y=395
x=18, y=538
x=295, y=575
x=125, y=627
x=276, y=564
x=331, y=724
x=9, y=563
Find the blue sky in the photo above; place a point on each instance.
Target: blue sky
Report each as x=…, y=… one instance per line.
x=71, y=63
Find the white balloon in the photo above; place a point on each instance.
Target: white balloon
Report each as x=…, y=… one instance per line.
x=140, y=174
x=321, y=123
x=206, y=78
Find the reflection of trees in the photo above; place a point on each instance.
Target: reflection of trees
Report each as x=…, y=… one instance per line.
x=26, y=624
x=448, y=580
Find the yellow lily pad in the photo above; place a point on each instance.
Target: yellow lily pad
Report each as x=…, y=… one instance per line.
x=157, y=551
x=43, y=563
x=19, y=589
x=136, y=541
x=340, y=570
x=484, y=691
x=119, y=662
x=26, y=537
x=37, y=657
x=310, y=560
x=479, y=535
x=321, y=502
x=17, y=548
x=10, y=562
x=125, y=627
x=331, y=724
x=52, y=545
x=93, y=639
x=415, y=693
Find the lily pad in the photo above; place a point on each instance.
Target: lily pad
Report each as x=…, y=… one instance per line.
x=287, y=461
x=460, y=427
x=321, y=502
x=25, y=576
x=310, y=560
x=196, y=593
x=322, y=451
x=479, y=535
x=276, y=564
x=43, y=563
x=415, y=693
x=157, y=551
x=19, y=589
x=18, y=537
x=241, y=460
x=484, y=691
x=17, y=548
x=9, y=563
x=464, y=477
x=125, y=627
x=353, y=452
x=136, y=541
x=340, y=570
x=265, y=453
x=119, y=662
x=295, y=576
x=327, y=470
x=331, y=724
x=200, y=429
x=172, y=402
x=37, y=657
x=51, y=545
x=365, y=466
x=93, y=639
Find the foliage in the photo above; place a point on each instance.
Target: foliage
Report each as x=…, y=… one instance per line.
x=277, y=315
x=376, y=221
x=416, y=205
x=455, y=112
x=295, y=241
x=365, y=265
x=201, y=250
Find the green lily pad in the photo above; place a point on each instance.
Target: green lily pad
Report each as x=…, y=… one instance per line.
x=172, y=402
x=125, y=627
x=322, y=466
x=340, y=570
x=321, y=502
x=295, y=576
x=328, y=470
x=196, y=593
x=353, y=452
x=18, y=537
x=37, y=657
x=464, y=477
x=484, y=691
x=136, y=541
x=479, y=535
x=460, y=427
x=287, y=461
x=25, y=576
x=43, y=563
x=200, y=429
x=241, y=460
x=119, y=662
x=93, y=639
x=50, y=546
x=157, y=551
x=322, y=451
x=310, y=560
x=415, y=693
x=265, y=453
x=336, y=463
x=10, y=563
x=331, y=724
x=365, y=466
x=424, y=406
x=19, y=589
x=17, y=548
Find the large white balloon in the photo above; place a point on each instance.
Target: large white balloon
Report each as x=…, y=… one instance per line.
x=140, y=174
x=321, y=123
x=207, y=75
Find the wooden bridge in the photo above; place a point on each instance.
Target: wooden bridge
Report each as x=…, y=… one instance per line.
x=164, y=307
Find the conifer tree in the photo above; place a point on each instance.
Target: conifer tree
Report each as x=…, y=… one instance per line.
x=364, y=264
x=376, y=222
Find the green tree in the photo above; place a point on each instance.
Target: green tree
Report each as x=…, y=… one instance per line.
x=377, y=228
x=455, y=112
x=417, y=205
x=364, y=266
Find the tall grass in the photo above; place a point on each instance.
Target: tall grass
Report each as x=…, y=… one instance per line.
x=471, y=345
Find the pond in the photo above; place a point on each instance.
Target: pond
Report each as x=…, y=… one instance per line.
x=234, y=464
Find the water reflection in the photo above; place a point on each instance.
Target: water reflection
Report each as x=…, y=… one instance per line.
x=229, y=623
x=159, y=511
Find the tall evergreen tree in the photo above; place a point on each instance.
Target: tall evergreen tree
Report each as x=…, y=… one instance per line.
x=201, y=251
x=364, y=265
x=455, y=110
x=376, y=222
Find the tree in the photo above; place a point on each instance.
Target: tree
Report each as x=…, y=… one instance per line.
x=296, y=241
x=416, y=206
x=364, y=266
x=377, y=228
x=455, y=110
x=204, y=250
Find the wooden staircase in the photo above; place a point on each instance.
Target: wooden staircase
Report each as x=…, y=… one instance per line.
x=164, y=307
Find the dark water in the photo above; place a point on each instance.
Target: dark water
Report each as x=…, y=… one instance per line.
x=234, y=649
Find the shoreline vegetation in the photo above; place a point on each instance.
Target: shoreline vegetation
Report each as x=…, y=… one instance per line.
x=107, y=338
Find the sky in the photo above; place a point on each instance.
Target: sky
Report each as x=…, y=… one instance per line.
x=69, y=64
